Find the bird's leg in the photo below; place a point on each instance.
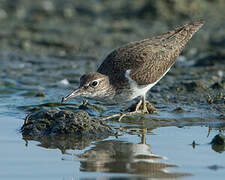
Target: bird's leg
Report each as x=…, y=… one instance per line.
x=147, y=107
x=144, y=107
x=134, y=107
x=141, y=107
x=138, y=105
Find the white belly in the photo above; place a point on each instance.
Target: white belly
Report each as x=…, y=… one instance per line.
x=140, y=90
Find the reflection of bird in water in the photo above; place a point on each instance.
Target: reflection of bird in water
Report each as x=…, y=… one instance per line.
x=124, y=157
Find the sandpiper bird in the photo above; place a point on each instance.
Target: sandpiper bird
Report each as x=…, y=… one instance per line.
x=133, y=69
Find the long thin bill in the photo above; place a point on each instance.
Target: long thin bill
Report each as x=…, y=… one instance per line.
x=75, y=93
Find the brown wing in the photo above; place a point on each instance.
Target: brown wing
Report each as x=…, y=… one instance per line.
x=148, y=59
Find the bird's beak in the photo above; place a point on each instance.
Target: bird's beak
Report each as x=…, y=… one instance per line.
x=75, y=93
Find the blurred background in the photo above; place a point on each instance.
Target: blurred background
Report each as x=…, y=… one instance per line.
x=95, y=27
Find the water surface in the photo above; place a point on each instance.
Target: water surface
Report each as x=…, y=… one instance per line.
x=161, y=153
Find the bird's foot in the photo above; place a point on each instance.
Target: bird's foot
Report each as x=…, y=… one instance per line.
x=142, y=107
x=151, y=109
x=120, y=115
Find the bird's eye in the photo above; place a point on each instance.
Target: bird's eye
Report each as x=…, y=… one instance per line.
x=94, y=83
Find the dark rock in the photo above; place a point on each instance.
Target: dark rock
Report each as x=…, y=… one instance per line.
x=219, y=139
x=55, y=123
x=64, y=129
x=218, y=143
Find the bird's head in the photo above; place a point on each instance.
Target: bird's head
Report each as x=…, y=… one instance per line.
x=92, y=85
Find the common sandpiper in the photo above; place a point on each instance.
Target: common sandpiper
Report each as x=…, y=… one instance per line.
x=130, y=71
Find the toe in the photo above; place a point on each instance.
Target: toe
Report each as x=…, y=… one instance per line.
x=150, y=108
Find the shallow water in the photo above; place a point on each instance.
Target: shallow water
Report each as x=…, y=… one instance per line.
x=160, y=153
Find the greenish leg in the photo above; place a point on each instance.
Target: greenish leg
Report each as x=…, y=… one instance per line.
x=142, y=107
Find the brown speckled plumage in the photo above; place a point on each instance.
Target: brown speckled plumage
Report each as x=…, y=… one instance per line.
x=148, y=59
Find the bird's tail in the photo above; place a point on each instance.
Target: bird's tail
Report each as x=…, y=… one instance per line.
x=181, y=35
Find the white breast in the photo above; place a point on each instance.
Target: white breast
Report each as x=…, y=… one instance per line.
x=140, y=90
